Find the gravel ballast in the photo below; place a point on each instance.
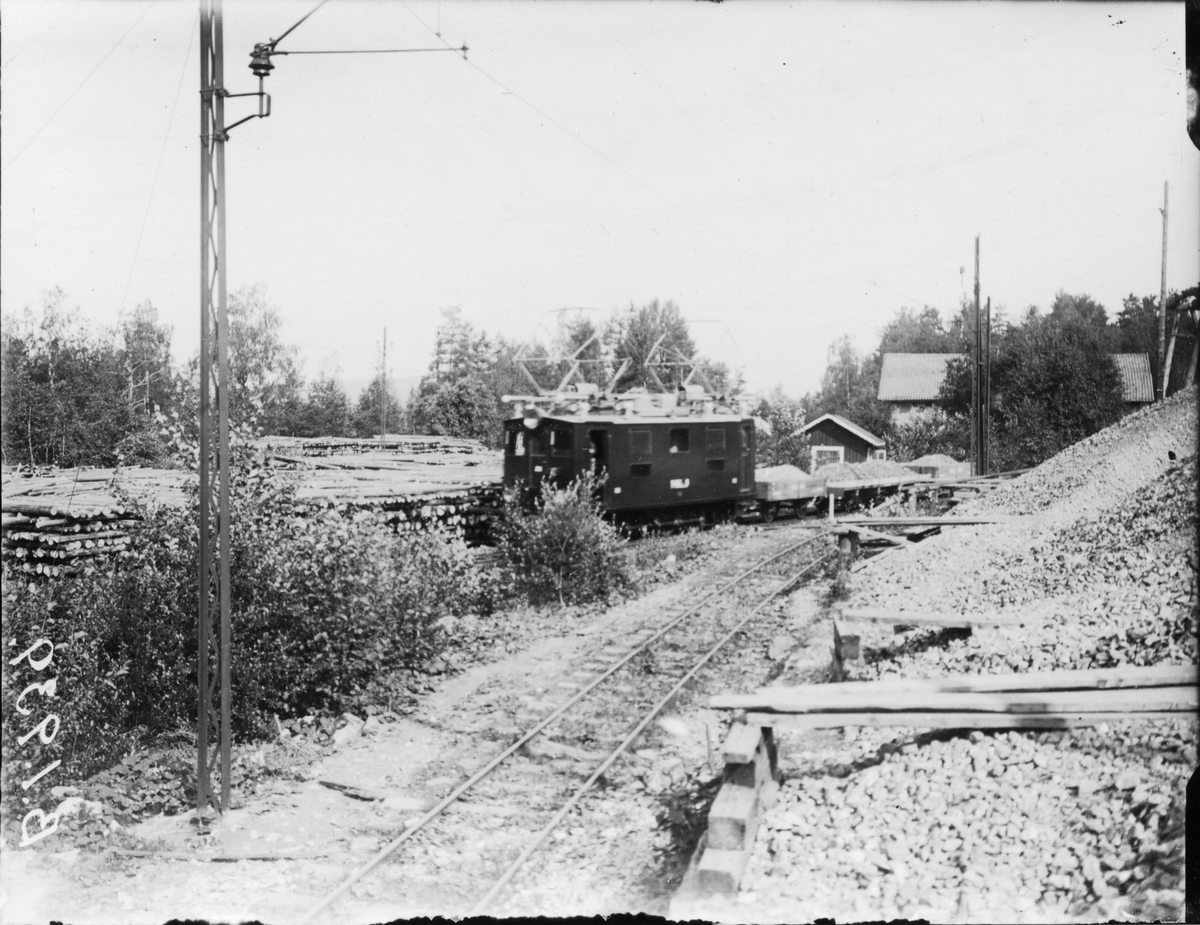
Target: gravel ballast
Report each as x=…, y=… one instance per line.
x=1011, y=826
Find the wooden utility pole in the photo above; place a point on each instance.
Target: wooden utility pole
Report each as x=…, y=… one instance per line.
x=986, y=398
x=1163, y=372
x=383, y=393
x=976, y=429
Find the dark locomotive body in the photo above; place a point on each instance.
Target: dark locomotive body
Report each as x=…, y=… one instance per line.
x=663, y=463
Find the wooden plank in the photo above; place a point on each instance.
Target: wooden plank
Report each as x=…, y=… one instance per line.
x=721, y=871
x=924, y=618
x=907, y=521
x=741, y=744
x=227, y=856
x=956, y=720
x=733, y=818
x=847, y=641
x=886, y=537
x=357, y=792
x=1127, y=676
x=1133, y=699
x=758, y=771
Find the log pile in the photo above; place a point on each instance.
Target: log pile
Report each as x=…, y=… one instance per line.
x=411, y=444
x=456, y=489
x=55, y=520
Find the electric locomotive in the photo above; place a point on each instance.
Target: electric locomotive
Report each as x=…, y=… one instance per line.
x=665, y=458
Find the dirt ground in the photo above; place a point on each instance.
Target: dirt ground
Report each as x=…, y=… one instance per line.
x=467, y=720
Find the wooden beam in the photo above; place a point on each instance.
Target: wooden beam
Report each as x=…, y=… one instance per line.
x=741, y=744
x=847, y=641
x=939, y=521
x=843, y=700
x=922, y=618
x=940, y=720
x=1139, y=676
x=733, y=819
x=720, y=871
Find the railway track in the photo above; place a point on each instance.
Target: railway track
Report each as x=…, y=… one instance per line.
x=609, y=706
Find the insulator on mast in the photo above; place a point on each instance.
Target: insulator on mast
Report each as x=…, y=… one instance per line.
x=260, y=60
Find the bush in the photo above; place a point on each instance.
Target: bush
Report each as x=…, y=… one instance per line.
x=929, y=432
x=563, y=549
x=324, y=607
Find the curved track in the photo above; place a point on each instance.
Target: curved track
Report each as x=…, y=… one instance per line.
x=695, y=636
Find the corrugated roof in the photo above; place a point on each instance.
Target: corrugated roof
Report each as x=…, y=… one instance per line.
x=1137, y=384
x=913, y=376
x=918, y=376
x=848, y=425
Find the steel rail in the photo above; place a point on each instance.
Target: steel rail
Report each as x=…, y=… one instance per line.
x=481, y=907
x=487, y=769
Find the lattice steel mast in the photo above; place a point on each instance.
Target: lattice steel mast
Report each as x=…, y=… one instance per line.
x=214, y=645
x=213, y=657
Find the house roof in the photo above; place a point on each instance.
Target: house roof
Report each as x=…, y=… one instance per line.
x=847, y=425
x=913, y=376
x=918, y=376
x=1137, y=384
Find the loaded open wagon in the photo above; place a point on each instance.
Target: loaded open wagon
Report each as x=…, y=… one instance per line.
x=849, y=486
x=790, y=486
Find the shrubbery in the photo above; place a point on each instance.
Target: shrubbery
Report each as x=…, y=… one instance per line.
x=563, y=549
x=326, y=611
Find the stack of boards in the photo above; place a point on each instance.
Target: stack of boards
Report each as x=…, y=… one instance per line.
x=56, y=519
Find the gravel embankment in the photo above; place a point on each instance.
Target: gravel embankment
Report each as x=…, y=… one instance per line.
x=1095, y=473
x=1012, y=826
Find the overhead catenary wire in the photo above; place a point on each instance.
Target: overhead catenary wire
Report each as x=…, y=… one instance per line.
x=71, y=95
x=292, y=29
x=366, y=51
x=583, y=141
x=808, y=286
x=161, y=153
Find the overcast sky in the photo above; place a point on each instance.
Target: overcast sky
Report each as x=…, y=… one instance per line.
x=786, y=172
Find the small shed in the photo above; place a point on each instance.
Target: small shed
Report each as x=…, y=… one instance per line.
x=836, y=439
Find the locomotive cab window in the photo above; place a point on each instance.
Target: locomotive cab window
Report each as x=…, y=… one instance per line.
x=715, y=440
x=639, y=442
x=560, y=442
x=679, y=439
x=516, y=443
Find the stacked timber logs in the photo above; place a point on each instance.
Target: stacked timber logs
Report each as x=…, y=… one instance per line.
x=455, y=491
x=54, y=521
x=413, y=444
x=59, y=545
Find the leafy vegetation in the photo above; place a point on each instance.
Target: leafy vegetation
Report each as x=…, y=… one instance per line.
x=562, y=548
x=329, y=613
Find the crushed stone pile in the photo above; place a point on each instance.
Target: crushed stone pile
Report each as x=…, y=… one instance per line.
x=1014, y=826
x=859, y=471
x=935, y=459
x=1097, y=472
x=1004, y=828
x=1119, y=589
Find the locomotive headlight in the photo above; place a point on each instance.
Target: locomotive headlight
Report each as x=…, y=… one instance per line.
x=533, y=417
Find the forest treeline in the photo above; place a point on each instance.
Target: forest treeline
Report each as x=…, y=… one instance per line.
x=77, y=395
